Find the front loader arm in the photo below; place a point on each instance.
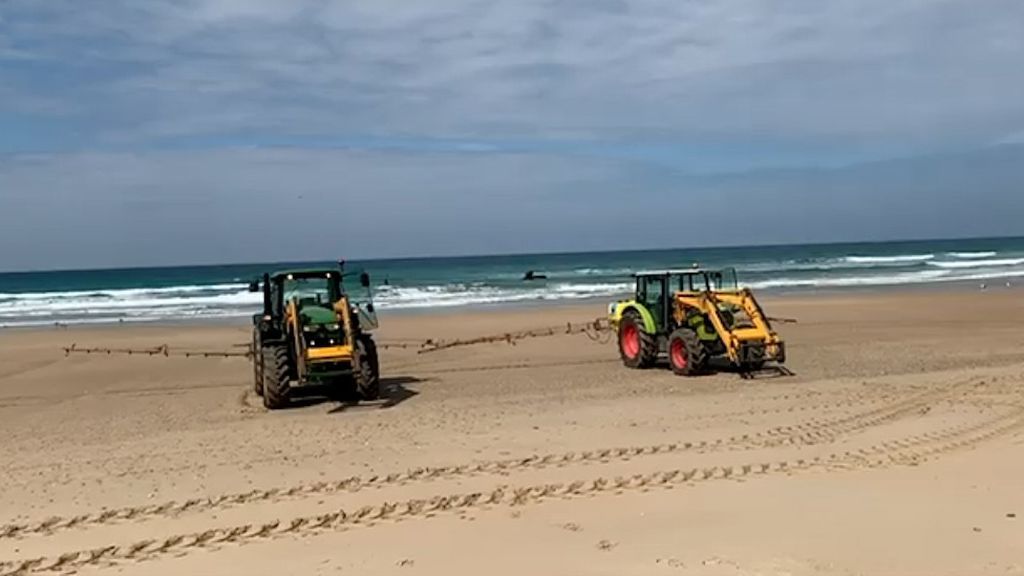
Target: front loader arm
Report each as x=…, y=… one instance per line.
x=344, y=312
x=292, y=323
x=709, y=306
x=760, y=330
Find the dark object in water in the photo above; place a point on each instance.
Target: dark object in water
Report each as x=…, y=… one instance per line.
x=531, y=275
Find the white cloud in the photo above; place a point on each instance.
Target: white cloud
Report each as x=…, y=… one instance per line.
x=907, y=72
x=549, y=113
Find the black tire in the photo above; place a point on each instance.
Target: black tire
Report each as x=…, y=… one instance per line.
x=755, y=364
x=257, y=364
x=637, y=347
x=366, y=368
x=275, y=377
x=686, y=353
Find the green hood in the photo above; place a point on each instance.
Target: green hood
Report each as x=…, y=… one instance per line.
x=318, y=315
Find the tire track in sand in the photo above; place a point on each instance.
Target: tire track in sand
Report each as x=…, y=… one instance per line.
x=911, y=449
x=811, y=432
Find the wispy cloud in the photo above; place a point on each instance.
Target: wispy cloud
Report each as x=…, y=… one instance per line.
x=148, y=131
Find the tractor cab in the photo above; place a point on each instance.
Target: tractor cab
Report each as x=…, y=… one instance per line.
x=315, y=295
x=698, y=280
x=658, y=290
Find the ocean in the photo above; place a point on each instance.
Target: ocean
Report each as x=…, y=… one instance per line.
x=424, y=284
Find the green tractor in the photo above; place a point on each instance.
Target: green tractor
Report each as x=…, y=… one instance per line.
x=312, y=333
x=691, y=316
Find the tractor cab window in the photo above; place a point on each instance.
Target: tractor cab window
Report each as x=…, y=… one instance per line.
x=652, y=294
x=684, y=283
x=275, y=299
x=308, y=291
x=652, y=289
x=724, y=280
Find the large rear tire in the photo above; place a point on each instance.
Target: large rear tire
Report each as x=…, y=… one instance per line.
x=257, y=364
x=637, y=347
x=366, y=368
x=275, y=377
x=686, y=353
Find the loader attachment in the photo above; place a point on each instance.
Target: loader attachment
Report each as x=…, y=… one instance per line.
x=743, y=328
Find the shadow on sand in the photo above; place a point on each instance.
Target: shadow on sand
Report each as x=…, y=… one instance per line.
x=393, y=393
x=718, y=366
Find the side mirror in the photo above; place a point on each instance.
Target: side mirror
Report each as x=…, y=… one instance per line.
x=364, y=280
x=254, y=286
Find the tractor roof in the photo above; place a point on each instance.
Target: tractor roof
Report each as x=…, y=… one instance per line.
x=678, y=272
x=305, y=273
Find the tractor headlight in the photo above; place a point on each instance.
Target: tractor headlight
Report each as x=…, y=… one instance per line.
x=333, y=327
x=611, y=308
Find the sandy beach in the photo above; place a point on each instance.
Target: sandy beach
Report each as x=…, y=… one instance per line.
x=896, y=447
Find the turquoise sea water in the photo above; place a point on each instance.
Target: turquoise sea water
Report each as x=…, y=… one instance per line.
x=197, y=292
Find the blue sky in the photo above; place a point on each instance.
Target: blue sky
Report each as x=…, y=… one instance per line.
x=168, y=127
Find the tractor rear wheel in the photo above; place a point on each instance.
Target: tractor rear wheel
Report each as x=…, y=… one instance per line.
x=366, y=368
x=275, y=377
x=637, y=347
x=686, y=353
x=257, y=364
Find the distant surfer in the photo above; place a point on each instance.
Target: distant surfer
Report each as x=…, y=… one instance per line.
x=531, y=275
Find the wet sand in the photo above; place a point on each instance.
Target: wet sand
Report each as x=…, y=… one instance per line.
x=895, y=448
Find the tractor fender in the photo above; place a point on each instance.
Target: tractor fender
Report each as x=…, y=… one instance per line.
x=620, y=308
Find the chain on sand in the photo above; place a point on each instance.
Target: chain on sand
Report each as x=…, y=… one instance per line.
x=909, y=450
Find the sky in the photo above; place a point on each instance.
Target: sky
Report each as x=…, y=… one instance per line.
x=201, y=131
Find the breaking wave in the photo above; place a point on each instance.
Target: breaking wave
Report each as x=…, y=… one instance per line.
x=494, y=282
x=971, y=254
x=889, y=259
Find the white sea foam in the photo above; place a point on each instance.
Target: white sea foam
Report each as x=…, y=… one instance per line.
x=889, y=259
x=971, y=254
x=981, y=263
x=123, y=293
x=905, y=278
x=458, y=295
x=850, y=281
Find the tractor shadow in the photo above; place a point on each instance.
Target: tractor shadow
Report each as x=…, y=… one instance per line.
x=716, y=367
x=394, y=391
x=766, y=373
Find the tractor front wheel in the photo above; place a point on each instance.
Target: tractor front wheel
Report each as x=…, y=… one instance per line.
x=686, y=352
x=366, y=368
x=637, y=347
x=275, y=377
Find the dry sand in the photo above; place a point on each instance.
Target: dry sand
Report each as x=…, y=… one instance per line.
x=895, y=449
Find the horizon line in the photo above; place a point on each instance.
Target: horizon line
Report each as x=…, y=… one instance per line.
x=502, y=255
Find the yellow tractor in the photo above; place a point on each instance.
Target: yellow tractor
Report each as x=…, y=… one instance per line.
x=311, y=332
x=691, y=316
